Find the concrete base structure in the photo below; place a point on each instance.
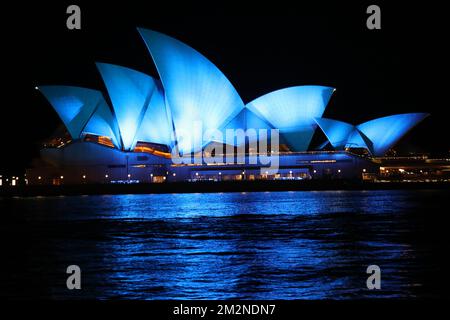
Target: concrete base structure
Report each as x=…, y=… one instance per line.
x=86, y=162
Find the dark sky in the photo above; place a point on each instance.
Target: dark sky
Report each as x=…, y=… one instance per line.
x=259, y=47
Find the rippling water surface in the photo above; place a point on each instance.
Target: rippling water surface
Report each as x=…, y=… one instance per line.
x=265, y=245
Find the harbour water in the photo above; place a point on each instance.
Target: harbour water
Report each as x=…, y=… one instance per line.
x=256, y=245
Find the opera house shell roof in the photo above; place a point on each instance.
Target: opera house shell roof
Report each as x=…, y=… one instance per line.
x=190, y=89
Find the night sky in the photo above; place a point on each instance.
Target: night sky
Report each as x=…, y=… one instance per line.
x=259, y=47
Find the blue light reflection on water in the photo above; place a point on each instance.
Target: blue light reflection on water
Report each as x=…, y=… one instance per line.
x=265, y=245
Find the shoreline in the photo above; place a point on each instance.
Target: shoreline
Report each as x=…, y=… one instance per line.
x=214, y=187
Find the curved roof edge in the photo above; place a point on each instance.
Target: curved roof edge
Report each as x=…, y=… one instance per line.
x=131, y=93
x=292, y=110
x=385, y=132
x=337, y=132
x=82, y=110
x=197, y=92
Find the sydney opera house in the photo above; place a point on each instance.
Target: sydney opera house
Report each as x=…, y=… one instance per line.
x=143, y=130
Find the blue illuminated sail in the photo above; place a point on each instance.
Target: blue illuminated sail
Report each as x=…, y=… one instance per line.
x=197, y=92
x=292, y=111
x=74, y=105
x=337, y=132
x=131, y=93
x=385, y=132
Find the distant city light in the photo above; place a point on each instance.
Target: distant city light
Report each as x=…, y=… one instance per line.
x=39, y=178
x=364, y=170
x=62, y=177
x=174, y=174
x=84, y=176
x=339, y=170
x=106, y=176
x=129, y=175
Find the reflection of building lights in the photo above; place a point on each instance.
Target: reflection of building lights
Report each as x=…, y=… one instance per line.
x=267, y=172
x=290, y=171
x=401, y=170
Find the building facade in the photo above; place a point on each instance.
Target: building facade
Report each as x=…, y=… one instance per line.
x=135, y=133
